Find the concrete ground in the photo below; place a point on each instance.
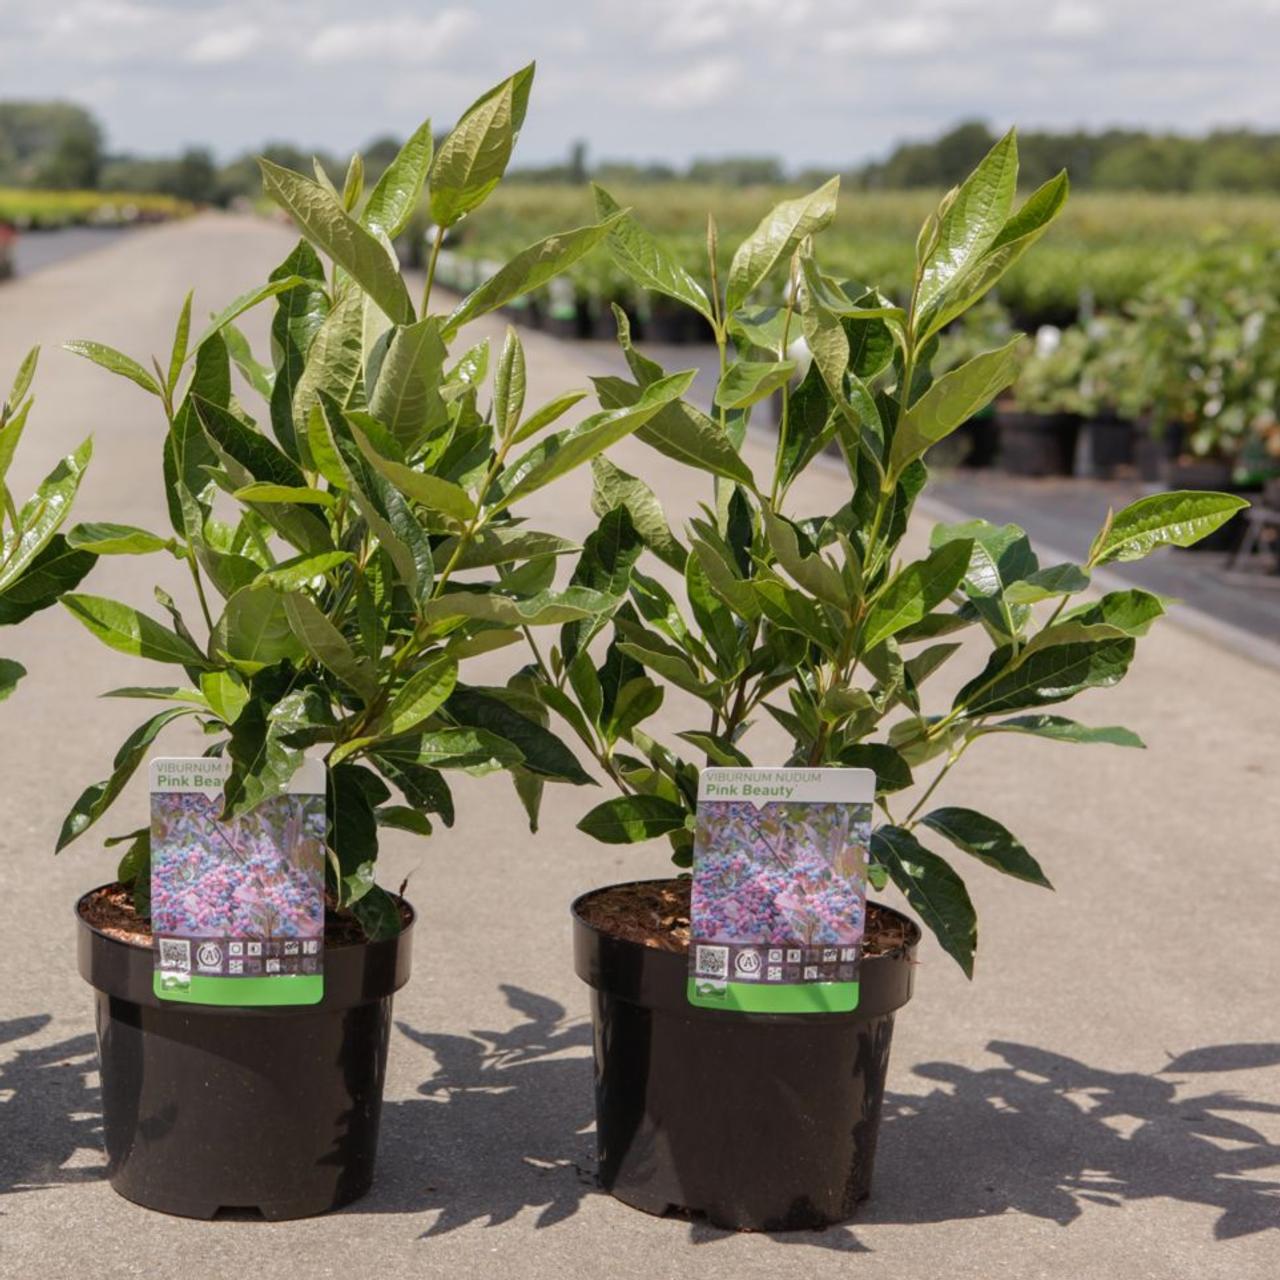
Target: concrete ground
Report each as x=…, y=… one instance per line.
x=1102, y=1101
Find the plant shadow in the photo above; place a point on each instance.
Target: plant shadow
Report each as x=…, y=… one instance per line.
x=1047, y=1135
x=50, y=1112
x=503, y=1124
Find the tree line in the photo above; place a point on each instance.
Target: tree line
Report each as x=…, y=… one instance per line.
x=59, y=145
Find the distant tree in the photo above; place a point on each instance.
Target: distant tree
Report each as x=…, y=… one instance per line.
x=378, y=154
x=738, y=171
x=49, y=144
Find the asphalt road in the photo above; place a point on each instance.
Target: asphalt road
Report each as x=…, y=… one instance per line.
x=1103, y=1101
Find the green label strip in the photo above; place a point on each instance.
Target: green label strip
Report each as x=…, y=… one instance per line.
x=278, y=989
x=758, y=997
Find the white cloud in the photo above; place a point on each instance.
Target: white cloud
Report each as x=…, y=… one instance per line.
x=400, y=38
x=905, y=37
x=698, y=85
x=229, y=45
x=1074, y=20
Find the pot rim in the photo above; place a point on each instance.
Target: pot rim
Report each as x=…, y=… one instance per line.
x=575, y=912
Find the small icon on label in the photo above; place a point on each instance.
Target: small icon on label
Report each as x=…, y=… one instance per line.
x=775, y=955
x=235, y=966
x=311, y=946
x=209, y=956
x=793, y=956
x=829, y=956
x=774, y=973
x=235, y=948
x=747, y=963
x=255, y=948
x=848, y=954
x=273, y=966
x=811, y=973
x=712, y=962
x=291, y=948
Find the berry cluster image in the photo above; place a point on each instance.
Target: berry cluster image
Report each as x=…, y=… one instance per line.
x=788, y=872
x=258, y=876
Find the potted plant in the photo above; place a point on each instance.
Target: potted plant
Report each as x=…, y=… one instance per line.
x=1110, y=394
x=765, y=608
x=37, y=563
x=348, y=557
x=1039, y=421
x=1208, y=335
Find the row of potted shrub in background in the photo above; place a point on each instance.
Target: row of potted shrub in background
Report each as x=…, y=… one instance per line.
x=376, y=549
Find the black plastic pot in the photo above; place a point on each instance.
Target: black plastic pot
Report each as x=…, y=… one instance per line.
x=758, y=1122
x=1034, y=444
x=270, y=1110
x=1108, y=445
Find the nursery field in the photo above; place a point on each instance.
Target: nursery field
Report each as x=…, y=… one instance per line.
x=47, y=210
x=1103, y=248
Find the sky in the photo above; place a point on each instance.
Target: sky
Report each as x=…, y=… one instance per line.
x=818, y=82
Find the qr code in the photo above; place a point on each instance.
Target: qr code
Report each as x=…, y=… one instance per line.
x=175, y=954
x=712, y=962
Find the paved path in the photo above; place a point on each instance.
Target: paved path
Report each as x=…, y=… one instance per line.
x=1103, y=1101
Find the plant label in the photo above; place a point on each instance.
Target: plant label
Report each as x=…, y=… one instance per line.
x=237, y=908
x=779, y=889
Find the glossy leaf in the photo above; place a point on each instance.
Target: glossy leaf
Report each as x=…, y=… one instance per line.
x=746, y=382
x=612, y=487
x=988, y=841
x=406, y=397
x=543, y=753
x=1050, y=675
x=115, y=540
x=916, y=591
x=629, y=819
x=397, y=192
x=547, y=608
x=1060, y=729
x=326, y=644
x=125, y=629
x=1178, y=519
x=10, y=673
x=42, y=515
x=114, y=362
x=423, y=693
x=933, y=890
x=254, y=629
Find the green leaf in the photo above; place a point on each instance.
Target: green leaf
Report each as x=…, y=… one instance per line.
x=1056, y=580
x=891, y=770
x=1049, y=675
x=423, y=693
x=114, y=362
x=403, y=819
x=1001, y=557
x=951, y=401
x=327, y=645
x=94, y=801
x=299, y=314
x=1131, y=611
x=988, y=841
x=509, y=384
x=473, y=158
x=970, y=220
x=246, y=302
x=1179, y=519
x=397, y=192
x=543, y=753
x=295, y=574
x=629, y=819
x=746, y=382
x=261, y=492
x=681, y=431
x=42, y=515
x=10, y=673
x=267, y=746
x=776, y=239
x=452, y=749
x=22, y=380
x=1061, y=729
x=547, y=414
x=529, y=269
x=612, y=487
x=547, y=608
x=178, y=353
x=55, y=570
x=646, y=261
x=433, y=492
x=916, y=591
x=811, y=571
x=933, y=889
x=499, y=544
x=335, y=366
x=129, y=631
x=254, y=629
x=1017, y=235
x=115, y=539
x=562, y=451
x=406, y=397
x=323, y=220
x=226, y=693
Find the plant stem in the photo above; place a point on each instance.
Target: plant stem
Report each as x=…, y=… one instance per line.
x=786, y=391
x=431, y=268
x=195, y=577
x=909, y=822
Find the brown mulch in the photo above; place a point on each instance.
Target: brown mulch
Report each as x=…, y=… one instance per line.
x=110, y=911
x=655, y=913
